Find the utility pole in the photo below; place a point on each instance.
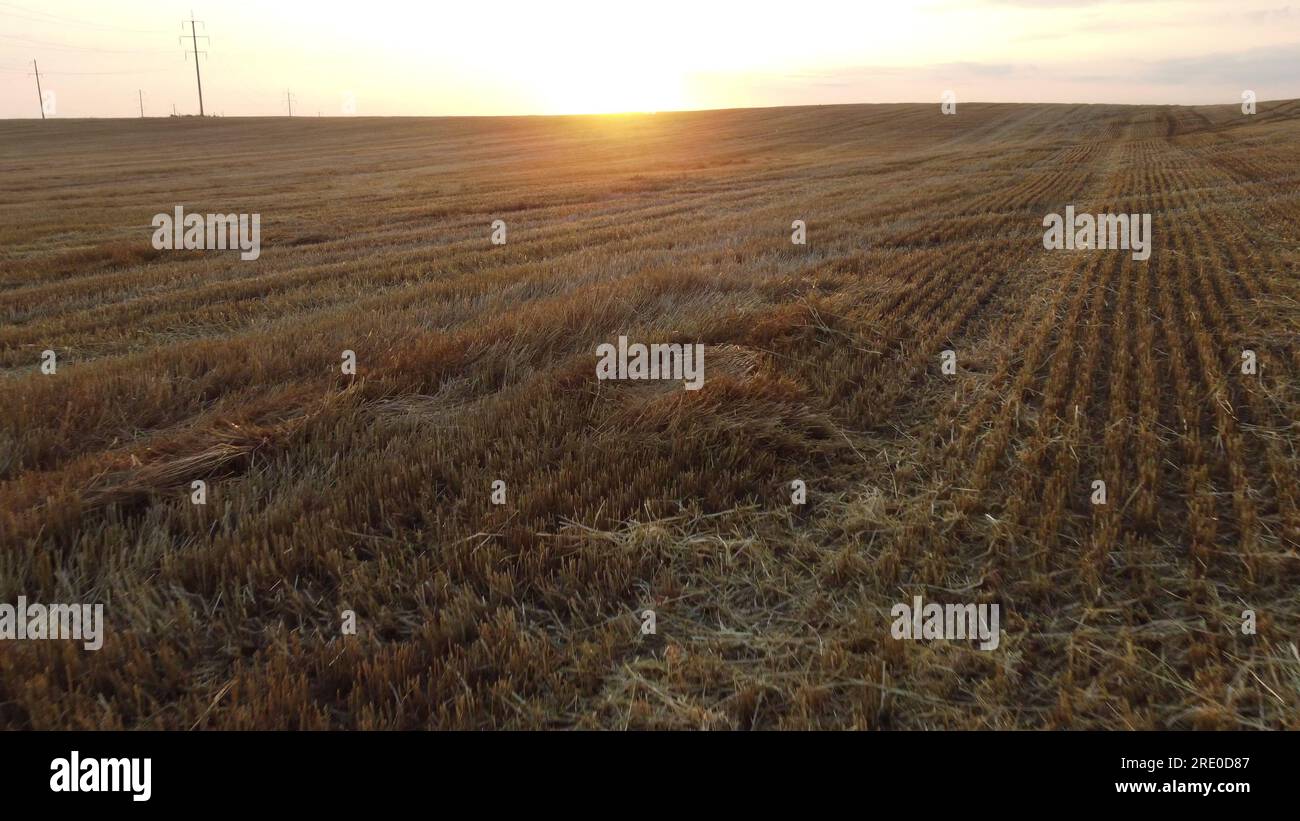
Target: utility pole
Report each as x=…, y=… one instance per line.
x=194, y=40
x=39, y=96
x=288, y=98
x=141, y=93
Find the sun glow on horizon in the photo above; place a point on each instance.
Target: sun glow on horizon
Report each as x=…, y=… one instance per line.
x=613, y=90
x=601, y=59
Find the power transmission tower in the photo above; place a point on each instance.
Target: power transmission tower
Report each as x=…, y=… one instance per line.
x=194, y=40
x=39, y=96
x=288, y=98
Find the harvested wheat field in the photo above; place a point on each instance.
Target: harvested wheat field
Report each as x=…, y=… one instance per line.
x=476, y=363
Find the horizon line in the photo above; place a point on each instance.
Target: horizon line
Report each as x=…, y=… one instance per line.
x=628, y=113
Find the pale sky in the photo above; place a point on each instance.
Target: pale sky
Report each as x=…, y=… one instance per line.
x=385, y=57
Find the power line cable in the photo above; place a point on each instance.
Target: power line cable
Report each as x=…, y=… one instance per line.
x=93, y=73
x=67, y=47
x=54, y=18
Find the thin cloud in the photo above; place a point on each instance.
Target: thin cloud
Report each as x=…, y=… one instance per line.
x=1258, y=67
